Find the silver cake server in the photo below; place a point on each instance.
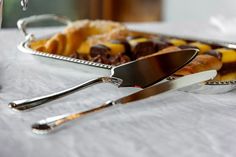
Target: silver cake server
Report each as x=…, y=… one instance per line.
x=140, y=73
x=49, y=124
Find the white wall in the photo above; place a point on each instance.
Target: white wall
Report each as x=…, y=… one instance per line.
x=189, y=10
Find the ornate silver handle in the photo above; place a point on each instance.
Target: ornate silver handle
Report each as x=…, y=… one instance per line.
x=22, y=23
x=49, y=124
x=26, y=104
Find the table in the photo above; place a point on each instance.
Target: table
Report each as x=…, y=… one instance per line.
x=171, y=124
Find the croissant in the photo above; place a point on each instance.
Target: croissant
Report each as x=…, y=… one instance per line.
x=83, y=32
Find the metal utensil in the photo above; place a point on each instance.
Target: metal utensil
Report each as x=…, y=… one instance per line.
x=49, y=124
x=141, y=73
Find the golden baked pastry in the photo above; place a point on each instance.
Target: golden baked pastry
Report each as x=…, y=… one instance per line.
x=80, y=36
x=177, y=42
x=200, y=63
x=38, y=45
x=224, y=54
x=165, y=50
x=169, y=49
x=112, y=43
x=201, y=46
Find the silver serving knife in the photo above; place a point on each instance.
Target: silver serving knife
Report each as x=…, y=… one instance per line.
x=49, y=124
x=140, y=73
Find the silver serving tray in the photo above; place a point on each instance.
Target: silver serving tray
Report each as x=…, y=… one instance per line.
x=211, y=87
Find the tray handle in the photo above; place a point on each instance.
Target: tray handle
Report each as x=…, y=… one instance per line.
x=22, y=23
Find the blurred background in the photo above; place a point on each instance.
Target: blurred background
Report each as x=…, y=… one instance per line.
x=122, y=10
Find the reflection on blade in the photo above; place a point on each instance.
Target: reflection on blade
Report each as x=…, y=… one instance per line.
x=169, y=85
x=150, y=70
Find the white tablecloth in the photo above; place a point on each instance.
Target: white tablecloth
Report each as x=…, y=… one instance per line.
x=171, y=124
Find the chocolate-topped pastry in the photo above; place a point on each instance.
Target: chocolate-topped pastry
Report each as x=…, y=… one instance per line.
x=226, y=56
x=112, y=43
x=215, y=53
x=163, y=38
x=99, y=50
x=111, y=48
x=229, y=76
x=177, y=42
x=141, y=47
x=115, y=49
x=173, y=41
x=188, y=47
x=201, y=46
x=110, y=53
x=159, y=45
x=133, y=37
x=125, y=44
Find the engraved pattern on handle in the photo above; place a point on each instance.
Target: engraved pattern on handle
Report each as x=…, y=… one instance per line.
x=26, y=104
x=49, y=124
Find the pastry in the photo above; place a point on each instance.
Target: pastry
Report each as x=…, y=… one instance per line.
x=200, y=63
x=38, y=44
x=201, y=46
x=112, y=43
x=166, y=50
x=224, y=54
x=81, y=35
x=169, y=49
x=159, y=45
x=141, y=47
x=108, y=47
x=177, y=42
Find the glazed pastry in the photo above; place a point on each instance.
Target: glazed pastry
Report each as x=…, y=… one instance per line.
x=228, y=76
x=126, y=45
x=115, y=48
x=101, y=50
x=141, y=47
x=81, y=35
x=166, y=50
x=56, y=44
x=200, y=63
x=134, y=41
x=38, y=45
x=188, y=47
x=169, y=49
x=84, y=48
x=102, y=54
x=223, y=54
x=159, y=45
x=177, y=42
x=202, y=47
x=108, y=47
x=111, y=43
